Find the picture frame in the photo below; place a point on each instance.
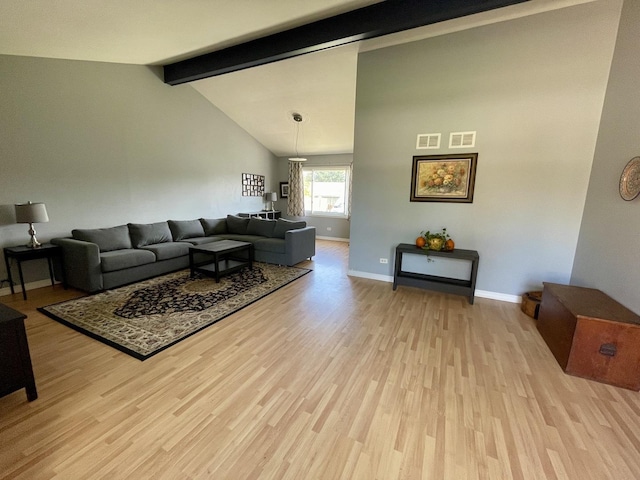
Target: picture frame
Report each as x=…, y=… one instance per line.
x=284, y=189
x=444, y=178
x=252, y=185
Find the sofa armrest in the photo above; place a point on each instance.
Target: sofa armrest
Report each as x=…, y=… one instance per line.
x=81, y=263
x=300, y=244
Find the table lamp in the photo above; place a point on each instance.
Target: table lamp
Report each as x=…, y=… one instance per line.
x=271, y=197
x=31, y=213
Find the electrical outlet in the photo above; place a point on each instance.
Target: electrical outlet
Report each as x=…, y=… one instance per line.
x=328, y=229
x=384, y=260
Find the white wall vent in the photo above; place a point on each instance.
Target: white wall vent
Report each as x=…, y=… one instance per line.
x=462, y=139
x=428, y=140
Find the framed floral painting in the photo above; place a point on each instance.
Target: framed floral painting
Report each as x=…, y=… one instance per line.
x=443, y=178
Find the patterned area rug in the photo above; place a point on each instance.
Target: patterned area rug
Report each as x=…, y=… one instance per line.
x=144, y=318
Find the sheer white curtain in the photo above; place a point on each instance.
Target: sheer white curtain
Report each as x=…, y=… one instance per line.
x=295, y=204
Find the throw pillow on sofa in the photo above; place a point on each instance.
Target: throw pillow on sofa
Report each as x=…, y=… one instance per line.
x=107, y=239
x=259, y=226
x=149, y=233
x=181, y=229
x=214, y=226
x=237, y=225
x=283, y=225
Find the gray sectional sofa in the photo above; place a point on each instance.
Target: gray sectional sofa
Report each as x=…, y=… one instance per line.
x=104, y=258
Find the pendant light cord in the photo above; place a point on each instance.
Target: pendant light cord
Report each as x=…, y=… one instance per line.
x=297, y=133
x=297, y=118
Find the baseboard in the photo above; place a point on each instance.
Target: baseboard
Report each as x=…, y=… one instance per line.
x=503, y=297
x=333, y=239
x=28, y=286
x=370, y=276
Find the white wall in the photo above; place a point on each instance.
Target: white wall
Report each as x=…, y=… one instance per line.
x=106, y=144
x=608, y=253
x=533, y=89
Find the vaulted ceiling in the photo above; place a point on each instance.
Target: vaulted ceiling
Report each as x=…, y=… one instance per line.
x=320, y=86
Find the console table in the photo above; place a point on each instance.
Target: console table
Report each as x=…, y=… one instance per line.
x=434, y=282
x=271, y=214
x=591, y=335
x=23, y=253
x=15, y=362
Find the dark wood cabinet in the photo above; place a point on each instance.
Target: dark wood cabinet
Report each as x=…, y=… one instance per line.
x=15, y=362
x=591, y=335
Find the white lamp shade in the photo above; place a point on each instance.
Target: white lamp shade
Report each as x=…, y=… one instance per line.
x=31, y=213
x=272, y=197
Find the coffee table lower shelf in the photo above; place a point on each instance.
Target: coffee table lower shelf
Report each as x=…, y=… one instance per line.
x=225, y=267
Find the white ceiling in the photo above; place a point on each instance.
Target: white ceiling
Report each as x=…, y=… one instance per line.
x=320, y=86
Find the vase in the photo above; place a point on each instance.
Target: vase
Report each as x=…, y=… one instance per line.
x=435, y=243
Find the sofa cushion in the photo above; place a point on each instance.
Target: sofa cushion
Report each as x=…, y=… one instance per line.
x=214, y=226
x=283, y=225
x=149, y=233
x=201, y=240
x=259, y=226
x=182, y=229
x=273, y=245
x=125, y=258
x=107, y=239
x=165, y=251
x=237, y=225
x=241, y=238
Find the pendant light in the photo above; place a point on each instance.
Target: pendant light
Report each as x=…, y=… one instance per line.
x=297, y=118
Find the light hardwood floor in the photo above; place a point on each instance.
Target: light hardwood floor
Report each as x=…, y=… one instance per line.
x=330, y=377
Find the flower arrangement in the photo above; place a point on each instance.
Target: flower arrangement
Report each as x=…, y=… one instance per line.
x=445, y=177
x=435, y=240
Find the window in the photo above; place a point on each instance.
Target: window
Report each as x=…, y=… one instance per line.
x=326, y=191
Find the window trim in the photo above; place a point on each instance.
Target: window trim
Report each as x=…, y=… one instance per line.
x=347, y=171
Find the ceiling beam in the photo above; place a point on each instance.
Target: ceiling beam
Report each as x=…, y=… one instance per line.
x=368, y=22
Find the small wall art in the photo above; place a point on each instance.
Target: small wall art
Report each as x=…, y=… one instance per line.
x=252, y=185
x=284, y=189
x=630, y=180
x=443, y=178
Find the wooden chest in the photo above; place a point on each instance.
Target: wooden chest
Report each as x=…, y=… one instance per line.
x=591, y=335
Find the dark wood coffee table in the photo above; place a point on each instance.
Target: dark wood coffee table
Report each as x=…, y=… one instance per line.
x=226, y=257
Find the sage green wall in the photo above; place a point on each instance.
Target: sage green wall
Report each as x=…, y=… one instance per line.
x=533, y=89
x=339, y=227
x=105, y=144
x=608, y=253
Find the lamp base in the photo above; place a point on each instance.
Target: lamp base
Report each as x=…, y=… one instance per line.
x=33, y=243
